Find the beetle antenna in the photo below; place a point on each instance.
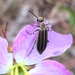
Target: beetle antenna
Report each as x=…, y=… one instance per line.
x=45, y=4
x=42, y=11
x=32, y=13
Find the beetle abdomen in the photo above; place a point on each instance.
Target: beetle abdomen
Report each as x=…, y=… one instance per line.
x=42, y=40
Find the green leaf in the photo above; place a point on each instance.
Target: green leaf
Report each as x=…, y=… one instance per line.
x=71, y=14
x=70, y=10
x=72, y=19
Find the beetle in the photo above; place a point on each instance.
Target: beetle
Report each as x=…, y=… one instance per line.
x=42, y=38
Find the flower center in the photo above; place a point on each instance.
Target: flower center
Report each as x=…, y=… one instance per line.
x=19, y=69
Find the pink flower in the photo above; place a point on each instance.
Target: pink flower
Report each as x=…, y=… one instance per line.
x=22, y=46
x=58, y=44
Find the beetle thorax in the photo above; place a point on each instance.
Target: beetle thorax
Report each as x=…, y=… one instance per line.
x=42, y=25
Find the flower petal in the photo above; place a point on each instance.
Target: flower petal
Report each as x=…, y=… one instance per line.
x=58, y=44
x=3, y=45
x=6, y=59
x=49, y=67
x=4, y=70
x=24, y=42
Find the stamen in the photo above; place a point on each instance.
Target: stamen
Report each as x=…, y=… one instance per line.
x=12, y=72
x=26, y=73
x=16, y=71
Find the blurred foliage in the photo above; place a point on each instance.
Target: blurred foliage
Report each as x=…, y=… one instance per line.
x=71, y=14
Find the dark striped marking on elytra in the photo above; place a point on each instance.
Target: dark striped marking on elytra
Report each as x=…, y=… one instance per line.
x=42, y=38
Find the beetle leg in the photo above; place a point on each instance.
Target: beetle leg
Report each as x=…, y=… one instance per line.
x=47, y=40
x=32, y=48
x=38, y=26
x=33, y=32
x=47, y=24
x=28, y=32
x=48, y=28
